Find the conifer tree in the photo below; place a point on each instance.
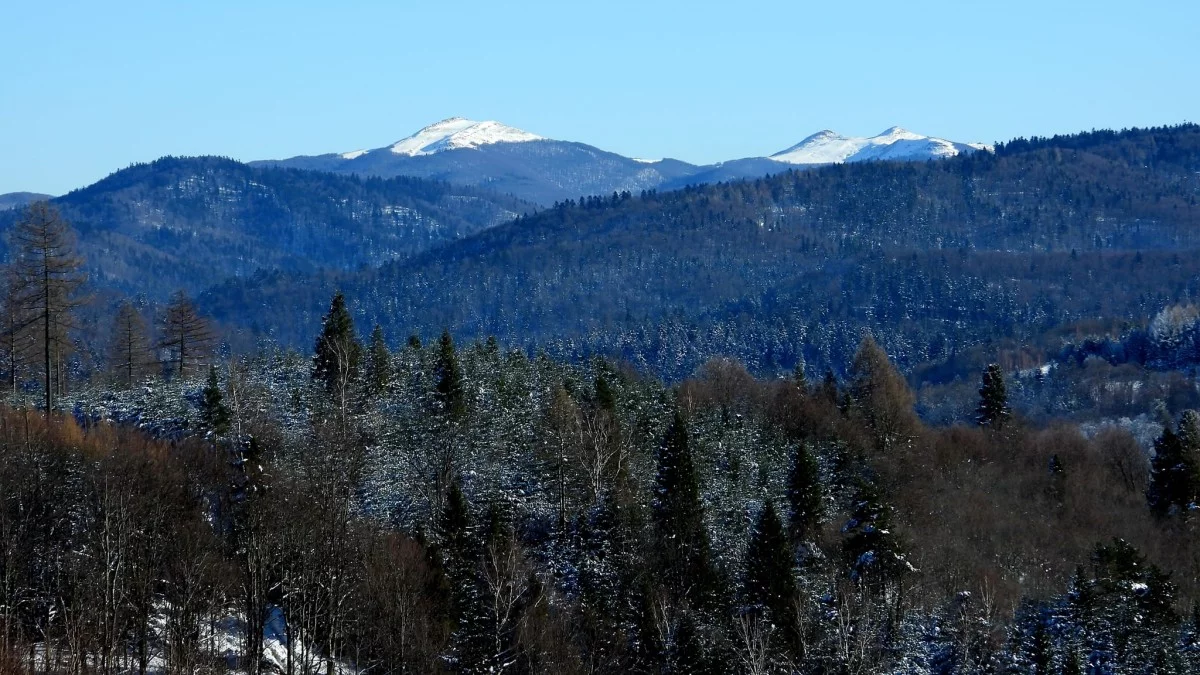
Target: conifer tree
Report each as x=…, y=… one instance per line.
x=883, y=397
x=129, y=352
x=214, y=415
x=870, y=548
x=804, y=495
x=449, y=392
x=769, y=582
x=186, y=334
x=379, y=369
x=46, y=275
x=337, y=352
x=993, y=411
x=1174, y=469
x=682, y=540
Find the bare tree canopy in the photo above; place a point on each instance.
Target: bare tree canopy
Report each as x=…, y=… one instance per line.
x=129, y=352
x=187, y=335
x=46, y=275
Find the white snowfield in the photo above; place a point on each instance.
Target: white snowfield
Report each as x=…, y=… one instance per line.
x=829, y=147
x=458, y=132
x=354, y=154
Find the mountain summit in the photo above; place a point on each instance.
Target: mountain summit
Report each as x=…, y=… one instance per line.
x=829, y=147
x=458, y=132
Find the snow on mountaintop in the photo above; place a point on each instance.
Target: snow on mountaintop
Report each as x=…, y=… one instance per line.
x=457, y=132
x=354, y=154
x=828, y=147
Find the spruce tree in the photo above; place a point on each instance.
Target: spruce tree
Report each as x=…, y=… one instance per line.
x=993, y=411
x=379, y=369
x=337, y=352
x=1174, y=471
x=769, y=582
x=870, y=549
x=214, y=415
x=449, y=391
x=804, y=495
x=682, y=540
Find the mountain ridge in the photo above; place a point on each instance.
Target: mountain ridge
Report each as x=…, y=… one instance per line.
x=544, y=170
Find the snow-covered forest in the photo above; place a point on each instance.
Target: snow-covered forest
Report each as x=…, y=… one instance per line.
x=443, y=508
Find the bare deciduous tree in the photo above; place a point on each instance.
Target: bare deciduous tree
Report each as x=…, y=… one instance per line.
x=46, y=277
x=186, y=334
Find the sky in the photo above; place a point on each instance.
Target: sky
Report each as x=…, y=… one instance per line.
x=88, y=88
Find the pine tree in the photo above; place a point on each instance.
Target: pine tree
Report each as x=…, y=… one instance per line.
x=449, y=391
x=1174, y=469
x=804, y=495
x=683, y=544
x=337, y=352
x=379, y=362
x=769, y=582
x=993, y=411
x=214, y=415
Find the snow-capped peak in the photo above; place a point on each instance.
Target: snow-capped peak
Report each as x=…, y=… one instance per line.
x=897, y=143
x=456, y=133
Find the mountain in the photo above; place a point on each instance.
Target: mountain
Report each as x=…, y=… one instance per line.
x=15, y=200
x=189, y=222
x=829, y=147
x=938, y=257
x=517, y=162
x=499, y=158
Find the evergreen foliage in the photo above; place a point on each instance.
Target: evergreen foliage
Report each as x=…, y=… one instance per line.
x=1175, y=468
x=993, y=411
x=449, y=392
x=337, y=352
x=804, y=495
x=684, y=554
x=213, y=413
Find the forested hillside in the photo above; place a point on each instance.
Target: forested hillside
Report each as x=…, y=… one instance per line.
x=936, y=257
x=186, y=223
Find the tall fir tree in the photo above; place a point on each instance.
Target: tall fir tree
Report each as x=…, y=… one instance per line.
x=337, y=352
x=682, y=540
x=379, y=362
x=449, y=391
x=804, y=494
x=993, y=411
x=1174, y=469
x=214, y=415
x=769, y=583
x=870, y=548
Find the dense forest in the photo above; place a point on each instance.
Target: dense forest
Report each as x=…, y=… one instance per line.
x=937, y=258
x=187, y=223
x=443, y=509
x=909, y=418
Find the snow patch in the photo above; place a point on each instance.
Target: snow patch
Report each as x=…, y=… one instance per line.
x=896, y=143
x=457, y=133
x=354, y=154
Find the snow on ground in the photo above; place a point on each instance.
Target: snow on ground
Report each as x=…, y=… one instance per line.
x=830, y=147
x=456, y=133
x=354, y=154
x=221, y=639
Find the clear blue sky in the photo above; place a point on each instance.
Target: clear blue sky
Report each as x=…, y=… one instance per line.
x=89, y=87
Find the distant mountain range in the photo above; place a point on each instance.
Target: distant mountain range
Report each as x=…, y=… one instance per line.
x=15, y=200
x=513, y=161
x=191, y=222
